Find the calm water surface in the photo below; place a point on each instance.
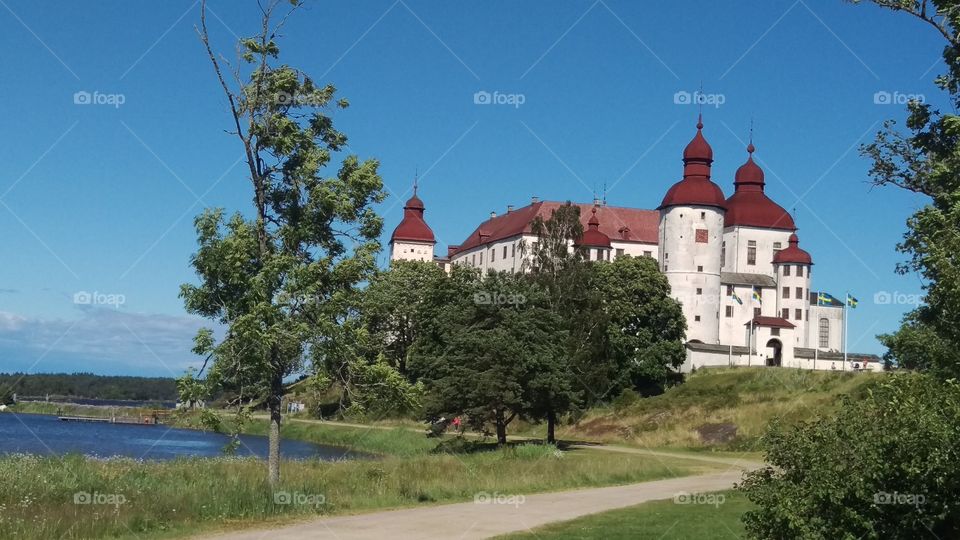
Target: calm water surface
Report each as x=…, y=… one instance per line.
x=46, y=434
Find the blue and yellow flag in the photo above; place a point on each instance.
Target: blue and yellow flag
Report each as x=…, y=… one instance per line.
x=824, y=299
x=736, y=298
x=852, y=302
x=756, y=295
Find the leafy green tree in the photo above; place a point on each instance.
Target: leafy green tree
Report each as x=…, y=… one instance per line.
x=491, y=337
x=927, y=161
x=645, y=326
x=393, y=305
x=884, y=466
x=284, y=280
x=560, y=269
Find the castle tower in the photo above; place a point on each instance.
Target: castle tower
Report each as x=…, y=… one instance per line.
x=413, y=239
x=792, y=268
x=596, y=245
x=755, y=227
x=691, y=232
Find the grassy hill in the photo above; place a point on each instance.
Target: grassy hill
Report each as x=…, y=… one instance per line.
x=725, y=409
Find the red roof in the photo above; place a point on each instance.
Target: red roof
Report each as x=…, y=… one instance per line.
x=793, y=253
x=771, y=322
x=618, y=224
x=696, y=188
x=412, y=227
x=749, y=206
x=592, y=237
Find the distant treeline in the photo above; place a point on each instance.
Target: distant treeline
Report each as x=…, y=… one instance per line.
x=88, y=385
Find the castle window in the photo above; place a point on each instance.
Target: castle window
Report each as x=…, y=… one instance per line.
x=513, y=250
x=665, y=268
x=481, y=258
x=699, y=291
x=786, y=270
x=504, y=252
x=473, y=259
x=752, y=252
x=493, y=254
x=702, y=236
x=729, y=311
x=666, y=256
x=785, y=313
x=824, y=333
x=648, y=254
x=699, y=269
x=799, y=294
x=799, y=271
x=729, y=290
x=703, y=215
x=776, y=247
x=786, y=292
x=756, y=312
x=774, y=331
x=619, y=252
x=696, y=318
x=723, y=253
x=798, y=314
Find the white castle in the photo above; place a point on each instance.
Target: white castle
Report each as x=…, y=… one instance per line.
x=734, y=264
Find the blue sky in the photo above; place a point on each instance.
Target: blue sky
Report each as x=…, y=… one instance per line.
x=99, y=198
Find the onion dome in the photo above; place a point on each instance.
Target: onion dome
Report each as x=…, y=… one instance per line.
x=749, y=206
x=696, y=188
x=412, y=227
x=793, y=254
x=592, y=237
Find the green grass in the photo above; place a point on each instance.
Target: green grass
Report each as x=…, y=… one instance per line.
x=162, y=499
x=748, y=398
x=663, y=520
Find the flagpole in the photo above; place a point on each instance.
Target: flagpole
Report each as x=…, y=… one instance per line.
x=845, y=302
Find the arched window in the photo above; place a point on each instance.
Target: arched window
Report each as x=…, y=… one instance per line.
x=824, y=333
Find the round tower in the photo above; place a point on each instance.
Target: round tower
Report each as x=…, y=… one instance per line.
x=691, y=232
x=791, y=267
x=413, y=239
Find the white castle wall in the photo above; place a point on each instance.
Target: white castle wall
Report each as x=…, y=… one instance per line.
x=411, y=251
x=797, y=299
x=736, y=244
x=693, y=268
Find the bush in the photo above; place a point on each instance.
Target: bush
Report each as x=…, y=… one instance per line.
x=885, y=466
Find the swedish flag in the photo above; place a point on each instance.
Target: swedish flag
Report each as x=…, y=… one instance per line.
x=737, y=298
x=824, y=299
x=852, y=302
x=756, y=296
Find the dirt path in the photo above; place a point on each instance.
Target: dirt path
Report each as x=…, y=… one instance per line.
x=474, y=520
x=501, y=513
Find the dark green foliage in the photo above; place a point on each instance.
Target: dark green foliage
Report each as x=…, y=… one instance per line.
x=884, y=466
x=645, y=327
x=489, y=350
x=927, y=161
x=88, y=385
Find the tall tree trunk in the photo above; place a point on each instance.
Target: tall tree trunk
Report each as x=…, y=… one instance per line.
x=501, y=429
x=274, y=402
x=551, y=426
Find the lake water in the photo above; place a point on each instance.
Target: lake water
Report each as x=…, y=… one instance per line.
x=46, y=434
